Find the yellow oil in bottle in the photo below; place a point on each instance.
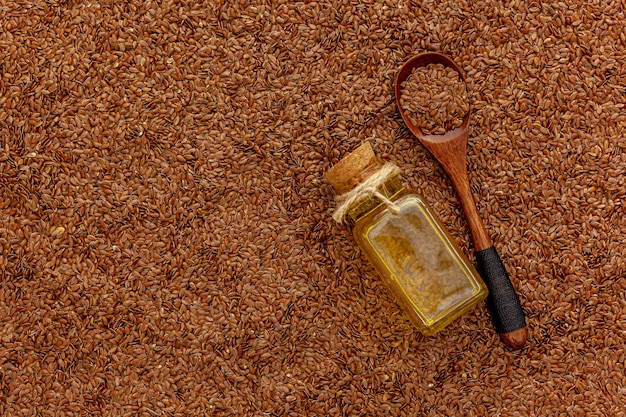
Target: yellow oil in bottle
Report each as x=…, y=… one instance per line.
x=408, y=245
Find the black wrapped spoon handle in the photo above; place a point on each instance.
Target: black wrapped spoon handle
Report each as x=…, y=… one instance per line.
x=506, y=310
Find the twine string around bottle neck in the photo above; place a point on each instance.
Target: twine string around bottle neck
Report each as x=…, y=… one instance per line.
x=366, y=189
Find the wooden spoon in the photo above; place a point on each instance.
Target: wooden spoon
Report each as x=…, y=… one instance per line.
x=450, y=150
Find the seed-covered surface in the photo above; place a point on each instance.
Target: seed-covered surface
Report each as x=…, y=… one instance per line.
x=166, y=242
x=434, y=98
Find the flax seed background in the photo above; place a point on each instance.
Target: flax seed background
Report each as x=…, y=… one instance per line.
x=166, y=243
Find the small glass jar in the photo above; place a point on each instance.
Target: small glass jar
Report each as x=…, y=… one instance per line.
x=408, y=245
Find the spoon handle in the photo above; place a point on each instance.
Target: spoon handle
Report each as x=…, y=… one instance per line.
x=505, y=307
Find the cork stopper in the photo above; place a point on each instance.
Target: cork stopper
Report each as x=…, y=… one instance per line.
x=353, y=169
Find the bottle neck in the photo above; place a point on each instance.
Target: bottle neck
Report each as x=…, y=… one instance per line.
x=390, y=189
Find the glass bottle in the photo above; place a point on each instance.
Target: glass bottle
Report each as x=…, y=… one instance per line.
x=406, y=242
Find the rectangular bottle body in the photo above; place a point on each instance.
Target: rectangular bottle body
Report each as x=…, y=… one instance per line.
x=420, y=262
